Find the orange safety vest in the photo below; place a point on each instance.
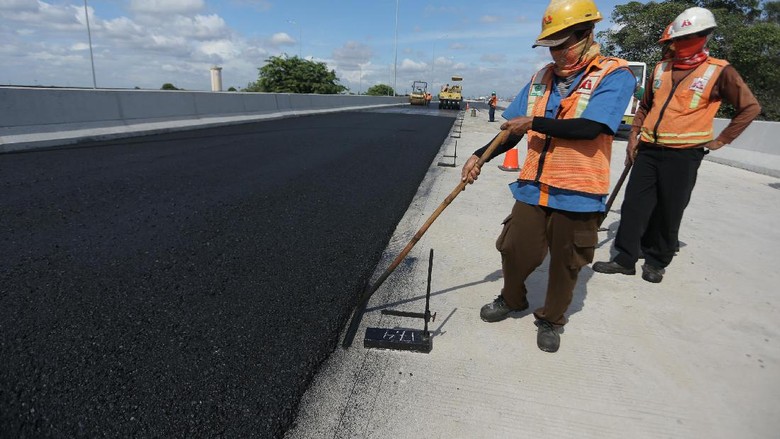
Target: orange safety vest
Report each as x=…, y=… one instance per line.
x=575, y=165
x=493, y=101
x=681, y=115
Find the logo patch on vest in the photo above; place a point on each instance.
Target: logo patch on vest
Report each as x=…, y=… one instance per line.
x=538, y=89
x=699, y=84
x=587, y=85
x=656, y=84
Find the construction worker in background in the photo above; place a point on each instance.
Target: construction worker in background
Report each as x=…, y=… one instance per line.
x=492, y=102
x=671, y=133
x=571, y=110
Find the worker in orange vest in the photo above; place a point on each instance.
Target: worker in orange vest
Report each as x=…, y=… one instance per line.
x=671, y=133
x=492, y=102
x=570, y=110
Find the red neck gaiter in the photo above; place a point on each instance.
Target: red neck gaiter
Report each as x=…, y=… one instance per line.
x=690, y=53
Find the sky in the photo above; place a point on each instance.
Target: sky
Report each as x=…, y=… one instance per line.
x=146, y=43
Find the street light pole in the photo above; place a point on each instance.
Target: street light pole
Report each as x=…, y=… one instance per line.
x=91, y=56
x=300, y=37
x=395, y=62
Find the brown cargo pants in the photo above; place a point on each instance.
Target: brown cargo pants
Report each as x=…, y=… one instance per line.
x=528, y=233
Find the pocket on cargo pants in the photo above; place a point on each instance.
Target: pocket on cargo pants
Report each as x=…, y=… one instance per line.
x=583, y=248
x=502, y=236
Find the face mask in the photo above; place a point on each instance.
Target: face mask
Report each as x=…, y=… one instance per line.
x=569, y=57
x=684, y=49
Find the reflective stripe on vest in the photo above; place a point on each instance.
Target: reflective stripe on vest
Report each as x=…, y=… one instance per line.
x=684, y=120
x=588, y=84
x=570, y=164
x=537, y=90
x=706, y=78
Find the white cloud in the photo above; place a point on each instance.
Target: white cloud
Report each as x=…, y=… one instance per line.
x=282, y=39
x=352, y=53
x=79, y=46
x=19, y=5
x=260, y=5
x=201, y=27
x=222, y=49
x=408, y=65
x=487, y=19
x=162, y=7
x=493, y=58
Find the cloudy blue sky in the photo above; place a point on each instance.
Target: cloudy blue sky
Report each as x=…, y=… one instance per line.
x=145, y=43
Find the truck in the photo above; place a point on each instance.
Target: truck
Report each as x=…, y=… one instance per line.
x=419, y=94
x=639, y=69
x=451, y=96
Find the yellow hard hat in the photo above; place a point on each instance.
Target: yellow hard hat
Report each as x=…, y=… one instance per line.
x=566, y=14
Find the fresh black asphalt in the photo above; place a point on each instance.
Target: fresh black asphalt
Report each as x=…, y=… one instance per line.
x=190, y=284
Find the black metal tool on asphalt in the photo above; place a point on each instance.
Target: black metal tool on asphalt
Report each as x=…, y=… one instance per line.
x=357, y=315
x=613, y=195
x=453, y=156
x=402, y=338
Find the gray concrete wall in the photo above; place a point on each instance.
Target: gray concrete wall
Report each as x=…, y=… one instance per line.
x=41, y=117
x=757, y=149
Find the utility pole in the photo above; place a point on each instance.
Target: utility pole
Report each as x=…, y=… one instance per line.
x=395, y=62
x=91, y=56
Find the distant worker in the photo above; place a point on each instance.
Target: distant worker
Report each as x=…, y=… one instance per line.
x=571, y=110
x=671, y=133
x=445, y=88
x=492, y=102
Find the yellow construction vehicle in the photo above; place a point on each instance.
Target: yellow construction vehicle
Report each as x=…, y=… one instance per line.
x=450, y=97
x=419, y=95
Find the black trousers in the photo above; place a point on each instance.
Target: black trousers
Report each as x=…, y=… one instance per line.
x=657, y=194
x=492, y=114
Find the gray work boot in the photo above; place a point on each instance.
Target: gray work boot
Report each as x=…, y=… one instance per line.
x=612, y=267
x=497, y=310
x=547, y=337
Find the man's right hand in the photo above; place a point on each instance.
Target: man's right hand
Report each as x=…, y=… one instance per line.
x=631, y=149
x=470, y=171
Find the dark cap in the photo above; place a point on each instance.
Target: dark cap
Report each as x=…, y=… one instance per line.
x=559, y=38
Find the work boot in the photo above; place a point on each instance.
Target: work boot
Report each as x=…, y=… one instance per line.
x=612, y=267
x=547, y=337
x=652, y=274
x=497, y=310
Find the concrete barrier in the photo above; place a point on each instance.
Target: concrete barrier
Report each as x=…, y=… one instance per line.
x=756, y=149
x=42, y=117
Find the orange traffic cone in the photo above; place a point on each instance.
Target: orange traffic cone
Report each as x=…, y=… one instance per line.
x=510, y=161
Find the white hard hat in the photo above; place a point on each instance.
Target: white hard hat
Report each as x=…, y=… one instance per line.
x=692, y=21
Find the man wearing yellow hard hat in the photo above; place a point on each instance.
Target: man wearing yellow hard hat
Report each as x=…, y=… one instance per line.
x=570, y=110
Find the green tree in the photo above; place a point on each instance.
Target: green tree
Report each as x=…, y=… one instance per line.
x=282, y=74
x=748, y=36
x=232, y=89
x=772, y=12
x=380, y=90
x=168, y=86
